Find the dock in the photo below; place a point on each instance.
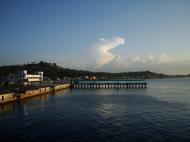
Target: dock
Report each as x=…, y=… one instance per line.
x=82, y=84
x=15, y=97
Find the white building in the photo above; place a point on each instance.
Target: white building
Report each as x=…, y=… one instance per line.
x=31, y=78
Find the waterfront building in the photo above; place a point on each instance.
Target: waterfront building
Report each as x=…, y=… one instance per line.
x=86, y=77
x=29, y=79
x=93, y=78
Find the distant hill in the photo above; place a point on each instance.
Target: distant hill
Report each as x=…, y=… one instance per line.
x=53, y=71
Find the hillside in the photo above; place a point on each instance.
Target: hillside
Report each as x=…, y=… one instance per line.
x=53, y=71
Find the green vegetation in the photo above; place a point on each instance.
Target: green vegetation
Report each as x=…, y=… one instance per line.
x=51, y=70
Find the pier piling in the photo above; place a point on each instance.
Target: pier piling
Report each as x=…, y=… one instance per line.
x=141, y=84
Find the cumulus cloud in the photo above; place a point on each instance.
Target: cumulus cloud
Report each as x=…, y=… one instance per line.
x=118, y=64
x=161, y=63
x=101, y=52
x=103, y=58
x=163, y=58
x=152, y=59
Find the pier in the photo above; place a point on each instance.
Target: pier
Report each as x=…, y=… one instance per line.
x=81, y=84
x=109, y=84
x=15, y=96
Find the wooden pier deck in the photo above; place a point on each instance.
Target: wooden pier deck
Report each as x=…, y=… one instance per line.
x=110, y=84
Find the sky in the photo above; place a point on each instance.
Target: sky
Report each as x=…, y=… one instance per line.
x=97, y=35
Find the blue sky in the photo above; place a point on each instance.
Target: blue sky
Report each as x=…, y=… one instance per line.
x=74, y=33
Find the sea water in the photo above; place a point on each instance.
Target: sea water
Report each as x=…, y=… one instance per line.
x=159, y=113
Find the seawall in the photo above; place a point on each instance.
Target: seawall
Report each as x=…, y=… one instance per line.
x=13, y=97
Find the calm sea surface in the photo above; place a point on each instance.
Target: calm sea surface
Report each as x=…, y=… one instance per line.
x=159, y=113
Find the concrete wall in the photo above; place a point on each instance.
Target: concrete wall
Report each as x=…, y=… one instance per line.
x=60, y=87
x=10, y=97
x=40, y=91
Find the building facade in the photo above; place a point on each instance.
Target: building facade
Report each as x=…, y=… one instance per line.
x=29, y=79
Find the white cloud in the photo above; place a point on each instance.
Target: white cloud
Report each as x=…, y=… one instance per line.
x=103, y=58
x=101, y=51
x=115, y=65
x=163, y=58
x=137, y=59
x=152, y=59
x=161, y=63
